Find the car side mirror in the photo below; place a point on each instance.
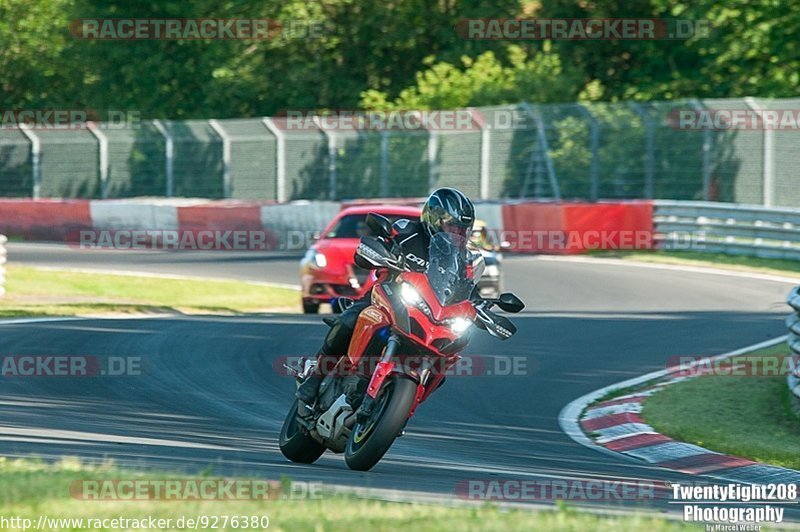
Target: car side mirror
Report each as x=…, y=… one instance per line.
x=510, y=303
x=379, y=225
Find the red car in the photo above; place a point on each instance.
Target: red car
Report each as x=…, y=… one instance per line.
x=328, y=270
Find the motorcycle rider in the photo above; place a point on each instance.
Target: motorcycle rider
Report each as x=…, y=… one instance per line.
x=446, y=209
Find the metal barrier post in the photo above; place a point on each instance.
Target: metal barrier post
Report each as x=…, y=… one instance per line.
x=433, y=166
x=649, y=149
x=280, y=158
x=3, y=254
x=102, y=141
x=594, y=147
x=36, y=156
x=169, y=154
x=548, y=161
x=384, y=163
x=707, y=141
x=331, y=138
x=227, y=187
x=485, y=152
x=769, y=158
x=793, y=322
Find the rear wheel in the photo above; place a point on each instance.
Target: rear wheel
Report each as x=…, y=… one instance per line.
x=295, y=443
x=370, y=440
x=310, y=307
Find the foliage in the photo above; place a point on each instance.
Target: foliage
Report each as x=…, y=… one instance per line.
x=402, y=54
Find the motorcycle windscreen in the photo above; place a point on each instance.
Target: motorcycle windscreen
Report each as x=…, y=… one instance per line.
x=447, y=268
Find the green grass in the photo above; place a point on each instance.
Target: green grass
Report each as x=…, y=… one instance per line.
x=746, y=416
x=32, y=291
x=716, y=260
x=31, y=488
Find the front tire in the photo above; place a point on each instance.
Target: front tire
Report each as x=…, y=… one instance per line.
x=295, y=444
x=368, y=442
x=310, y=307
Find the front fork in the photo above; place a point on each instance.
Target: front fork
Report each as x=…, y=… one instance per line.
x=382, y=369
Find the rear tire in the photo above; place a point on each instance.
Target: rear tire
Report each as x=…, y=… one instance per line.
x=368, y=443
x=295, y=444
x=310, y=308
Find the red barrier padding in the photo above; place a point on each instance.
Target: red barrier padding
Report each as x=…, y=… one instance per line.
x=225, y=216
x=568, y=228
x=608, y=226
x=47, y=219
x=530, y=227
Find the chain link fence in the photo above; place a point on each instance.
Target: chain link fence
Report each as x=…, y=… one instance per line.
x=663, y=150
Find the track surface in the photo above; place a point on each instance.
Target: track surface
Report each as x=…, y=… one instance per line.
x=208, y=393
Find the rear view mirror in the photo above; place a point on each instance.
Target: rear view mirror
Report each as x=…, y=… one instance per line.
x=510, y=303
x=379, y=225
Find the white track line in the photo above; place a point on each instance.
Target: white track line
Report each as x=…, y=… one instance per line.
x=135, y=273
x=569, y=416
x=675, y=267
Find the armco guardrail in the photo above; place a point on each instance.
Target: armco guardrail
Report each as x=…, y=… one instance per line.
x=793, y=322
x=728, y=228
x=3, y=241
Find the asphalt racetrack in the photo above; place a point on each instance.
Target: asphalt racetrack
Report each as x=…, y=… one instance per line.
x=210, y=394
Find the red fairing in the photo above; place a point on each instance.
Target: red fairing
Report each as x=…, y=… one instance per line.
x=381, y=371
x=371, y=320
x=418, y=342
x=434, y=328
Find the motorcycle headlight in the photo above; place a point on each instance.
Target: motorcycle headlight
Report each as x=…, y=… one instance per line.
x=410, y=295
x=459, y=325
x=320, y=260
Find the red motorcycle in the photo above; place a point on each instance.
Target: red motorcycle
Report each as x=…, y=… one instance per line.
x=415, y=327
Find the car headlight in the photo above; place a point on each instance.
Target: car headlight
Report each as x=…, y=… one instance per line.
x=320, y=261
x=459, y=325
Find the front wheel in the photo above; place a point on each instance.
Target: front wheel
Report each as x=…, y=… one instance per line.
x=370, y=440
x=295, y=444
x=310, y=307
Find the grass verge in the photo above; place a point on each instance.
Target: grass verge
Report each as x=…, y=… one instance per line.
x=29, y=489
x=33, y=291
x=715, y=260
x=747, y=416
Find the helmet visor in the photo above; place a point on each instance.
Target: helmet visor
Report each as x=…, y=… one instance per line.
x=454, y=229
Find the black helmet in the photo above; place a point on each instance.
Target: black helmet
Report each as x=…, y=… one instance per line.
x=448, y=209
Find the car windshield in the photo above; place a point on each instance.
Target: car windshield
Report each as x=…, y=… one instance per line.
x=447, y=272
x=355, y=226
